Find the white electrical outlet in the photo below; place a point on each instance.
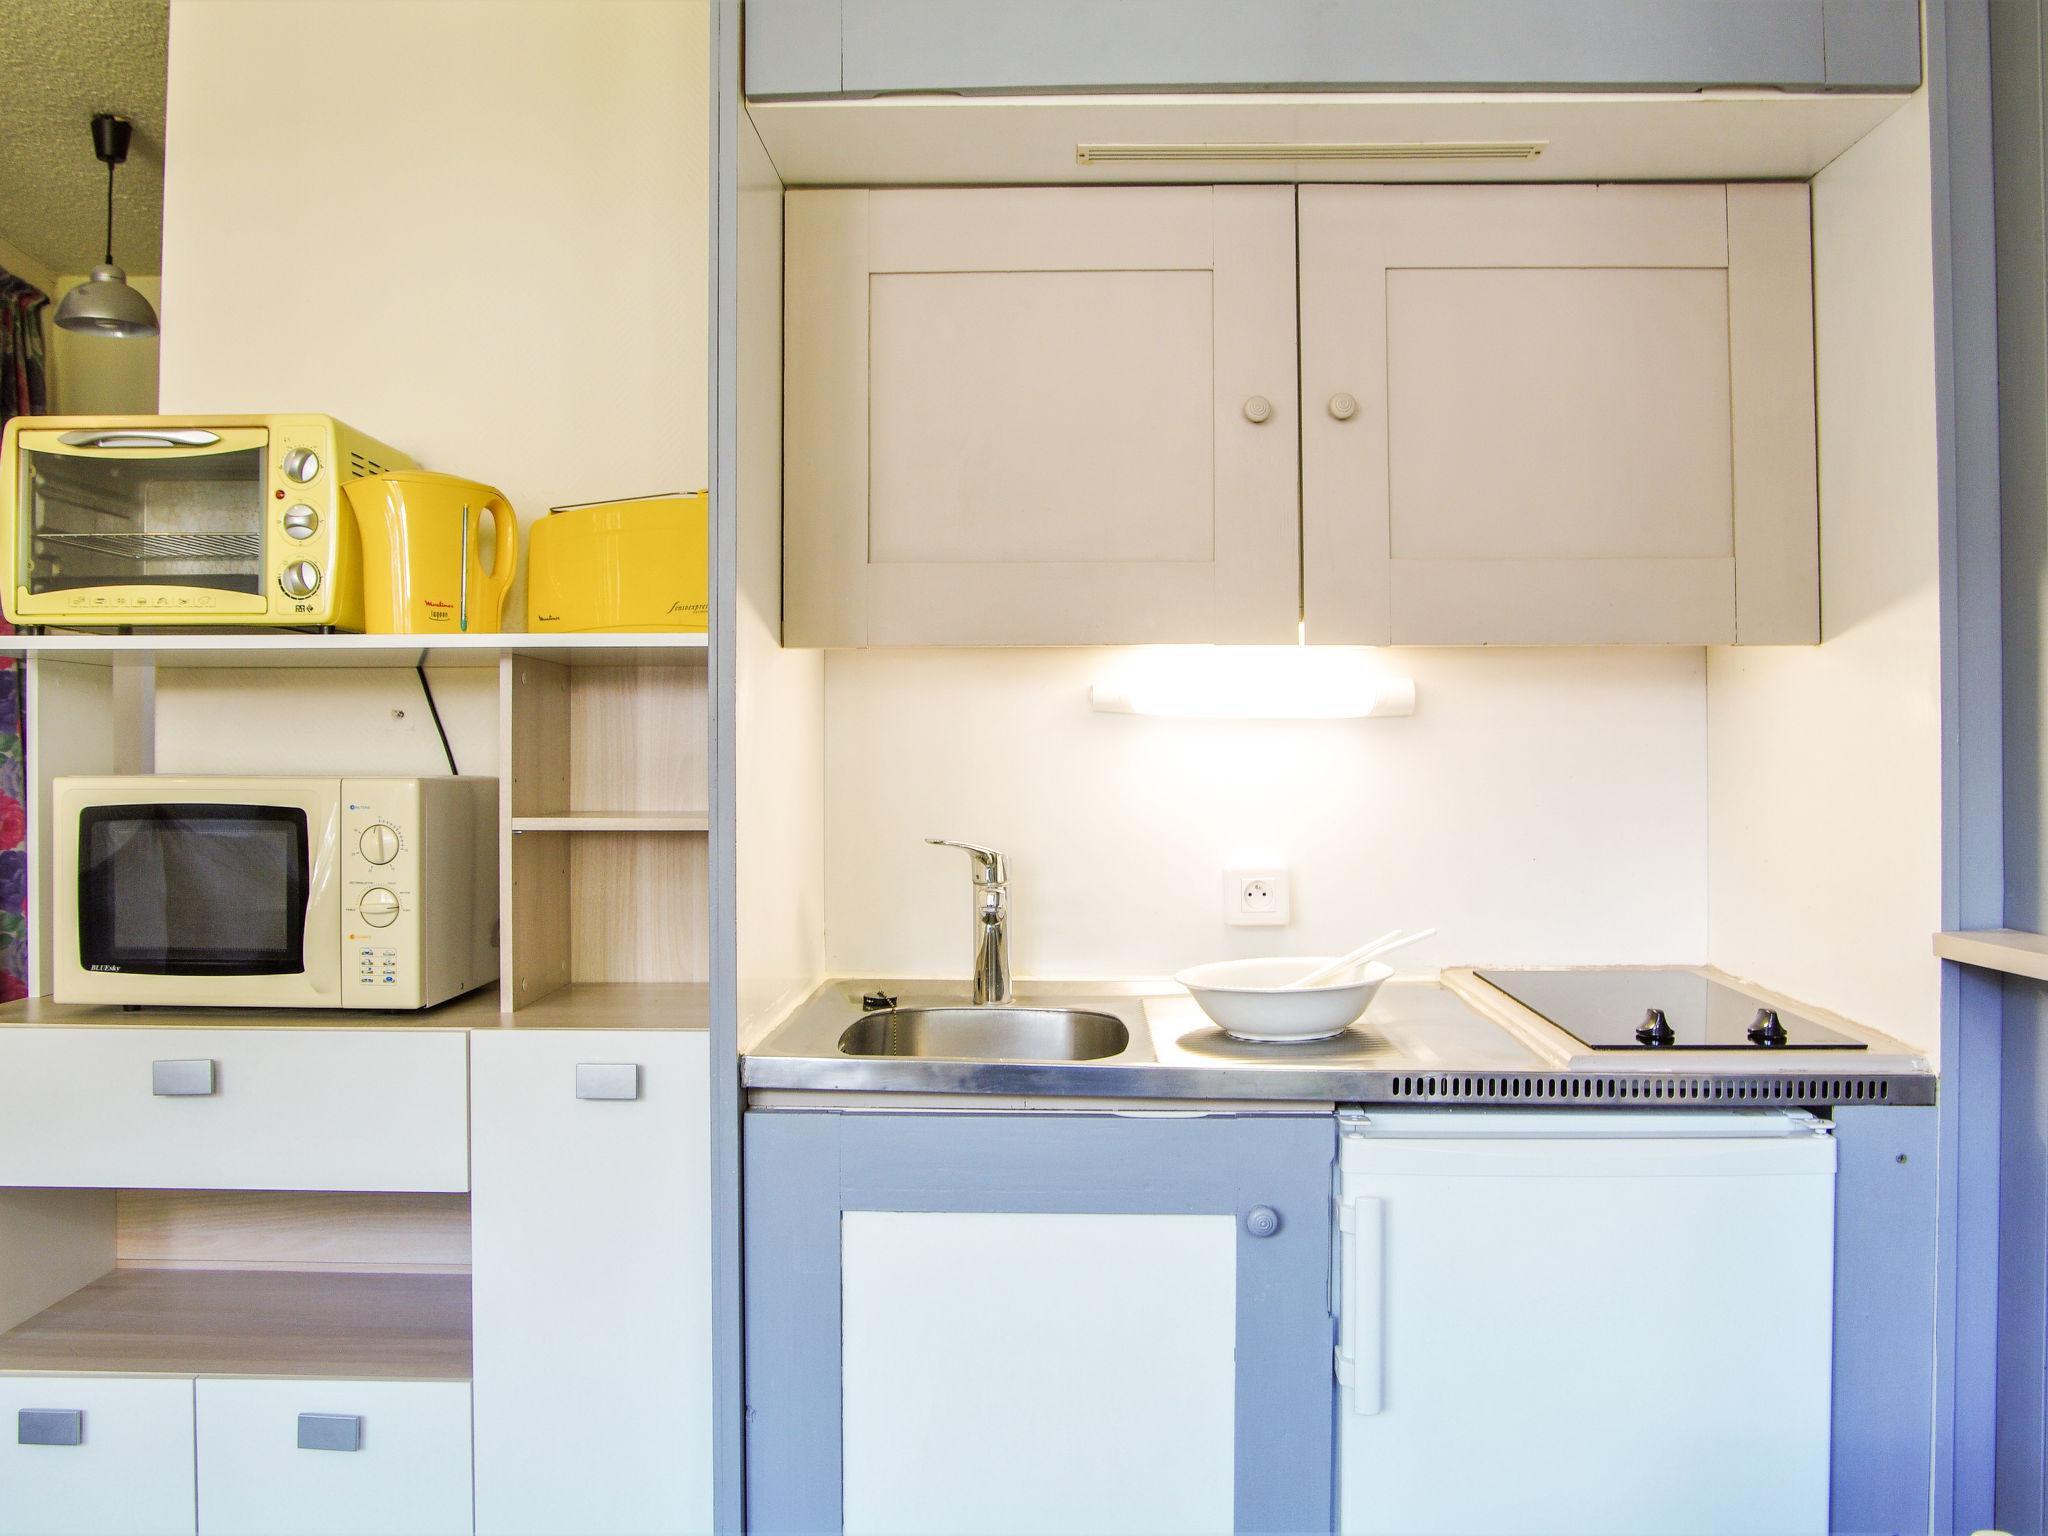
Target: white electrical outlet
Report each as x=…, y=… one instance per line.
x=1256, y=898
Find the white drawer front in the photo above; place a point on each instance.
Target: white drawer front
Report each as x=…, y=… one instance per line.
x=409, y=1474
x=288, y=1109
x=130, y=1474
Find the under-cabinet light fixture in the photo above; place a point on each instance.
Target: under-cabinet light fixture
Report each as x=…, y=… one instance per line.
x=1253, y=683
x=1446, y=149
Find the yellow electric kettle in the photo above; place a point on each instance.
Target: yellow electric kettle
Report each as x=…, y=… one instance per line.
x=423, y=553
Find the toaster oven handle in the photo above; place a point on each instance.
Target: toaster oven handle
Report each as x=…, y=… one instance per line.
x=129, y=437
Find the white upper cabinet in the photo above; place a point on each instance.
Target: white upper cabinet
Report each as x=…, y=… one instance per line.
x=1041, y=416
x=1558, y=415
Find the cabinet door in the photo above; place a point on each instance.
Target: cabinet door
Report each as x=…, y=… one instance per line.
x=590, y=1230
x=1040, y=416
x=1049, y=1323
x=333, y=1458
x=122, y=1467
x=1558, y=415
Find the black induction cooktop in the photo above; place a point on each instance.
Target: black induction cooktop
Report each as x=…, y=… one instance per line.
x=1654, y=1010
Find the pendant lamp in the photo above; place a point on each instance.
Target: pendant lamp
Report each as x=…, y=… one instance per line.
x=104, y=305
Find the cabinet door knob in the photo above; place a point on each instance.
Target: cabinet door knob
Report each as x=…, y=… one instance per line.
x=330, y=1431
x=181, y=1079
x=1343, y=405
x=49, y=1426
x=607, y=1080
x=1257, y=409
x=1262, y=1221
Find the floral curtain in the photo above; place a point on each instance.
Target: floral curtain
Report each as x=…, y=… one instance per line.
x=23, y=392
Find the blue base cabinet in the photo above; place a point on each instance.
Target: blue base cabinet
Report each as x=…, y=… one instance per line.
x=987, y=1321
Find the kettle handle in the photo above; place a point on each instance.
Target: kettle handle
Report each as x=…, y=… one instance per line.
x=505, y=562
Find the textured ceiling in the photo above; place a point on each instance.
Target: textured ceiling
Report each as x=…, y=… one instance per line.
x=60, y=62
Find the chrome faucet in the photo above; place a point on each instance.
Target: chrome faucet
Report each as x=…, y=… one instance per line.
x=991, y=922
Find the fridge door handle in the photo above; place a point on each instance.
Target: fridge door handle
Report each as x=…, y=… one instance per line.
x=1361, y=1330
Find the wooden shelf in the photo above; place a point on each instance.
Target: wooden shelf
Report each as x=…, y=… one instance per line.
x=215, y=1322
x=2014, y=951
x=293, y=650
x=599, y=821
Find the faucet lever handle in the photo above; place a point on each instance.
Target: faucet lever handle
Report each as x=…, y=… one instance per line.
x=990, y=868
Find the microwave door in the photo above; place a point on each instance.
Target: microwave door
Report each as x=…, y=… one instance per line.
x=105, y=514
x=171, y=889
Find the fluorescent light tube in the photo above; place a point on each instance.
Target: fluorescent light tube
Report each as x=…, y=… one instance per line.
x=1253, y=683
x=1498, y=149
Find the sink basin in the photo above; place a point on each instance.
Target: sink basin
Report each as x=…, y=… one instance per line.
x=986, y=1034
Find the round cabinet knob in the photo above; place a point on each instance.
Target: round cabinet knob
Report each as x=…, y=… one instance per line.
x=379, y=907
x=379, y=843
x=301, y=465
x=1343, y=406
x=300, y=522
x=1258, y=409
x=300, y=579
x=1262, y=1221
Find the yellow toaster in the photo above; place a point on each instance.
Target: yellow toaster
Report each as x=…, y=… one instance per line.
x=642, y=564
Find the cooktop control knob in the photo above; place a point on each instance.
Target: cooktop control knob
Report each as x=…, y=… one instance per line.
x=300, y=522
x=379, y=907
x=301, y=465
x=1656, y=1029
x=1768, y=1030
x=379, y=842
x=300, y=579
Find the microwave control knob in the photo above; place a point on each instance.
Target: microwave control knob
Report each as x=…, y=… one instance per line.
x=301, y=522
x=300, y=579
x=379, y=842
x=301, y=465
x=379, y=907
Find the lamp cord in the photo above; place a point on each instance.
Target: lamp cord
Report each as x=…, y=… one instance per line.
x=435, y=710
x=110, y=213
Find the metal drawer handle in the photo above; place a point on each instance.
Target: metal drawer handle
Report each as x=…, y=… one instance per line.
x=191, y=1078
x=330, y=1431
x=117, y=437
x=607, y=1080
x=49, y=1426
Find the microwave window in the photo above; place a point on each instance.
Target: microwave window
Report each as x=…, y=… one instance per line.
x=172, y=521
x=192, y=890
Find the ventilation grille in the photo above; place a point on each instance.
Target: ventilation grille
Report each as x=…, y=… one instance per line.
x=359, y=465
x=1593, y=1088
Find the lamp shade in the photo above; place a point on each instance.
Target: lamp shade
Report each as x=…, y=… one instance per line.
x=105, y=305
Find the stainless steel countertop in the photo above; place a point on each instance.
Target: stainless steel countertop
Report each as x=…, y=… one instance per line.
x=1448, y=1040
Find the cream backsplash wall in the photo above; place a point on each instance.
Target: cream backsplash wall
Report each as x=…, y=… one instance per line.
x=1543, y=806
x=1824, y=797
x=477, y=230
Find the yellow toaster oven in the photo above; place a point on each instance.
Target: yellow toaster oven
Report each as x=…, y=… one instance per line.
x=177, y=520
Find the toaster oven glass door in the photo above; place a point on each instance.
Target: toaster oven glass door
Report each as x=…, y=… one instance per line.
x=193, y=889
x=133, y=512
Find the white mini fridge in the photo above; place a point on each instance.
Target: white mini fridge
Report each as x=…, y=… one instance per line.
x=1567, y=1323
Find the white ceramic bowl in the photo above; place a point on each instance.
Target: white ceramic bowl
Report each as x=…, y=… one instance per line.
x=1250, y=999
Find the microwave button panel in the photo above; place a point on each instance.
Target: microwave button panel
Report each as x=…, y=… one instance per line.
x=300, y=579
x=379, y=842
x=301, y=522
x=378, y=906
x=301, y=465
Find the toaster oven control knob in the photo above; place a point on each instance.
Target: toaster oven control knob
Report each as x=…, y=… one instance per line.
x=379, y=842
x=301, y=465
x=301, y=522
x=300, y=579
x=379, y=907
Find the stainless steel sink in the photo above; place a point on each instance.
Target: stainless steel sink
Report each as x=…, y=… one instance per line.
x=986, y=1034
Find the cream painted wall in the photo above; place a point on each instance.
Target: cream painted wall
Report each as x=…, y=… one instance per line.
x=475, y=229
x=104, y=375
x=780, y=704
x=1824, y=797
x=1541, y=806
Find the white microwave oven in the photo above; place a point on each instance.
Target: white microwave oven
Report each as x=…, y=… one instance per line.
x=299, y=892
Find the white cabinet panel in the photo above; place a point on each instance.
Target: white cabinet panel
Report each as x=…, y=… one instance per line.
x=289, y=1109
x=409, y=1474
x=1010, y=1372
x=130, y=1473
x=590, y=1234
x=1582, y=414
x=1040, y=416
